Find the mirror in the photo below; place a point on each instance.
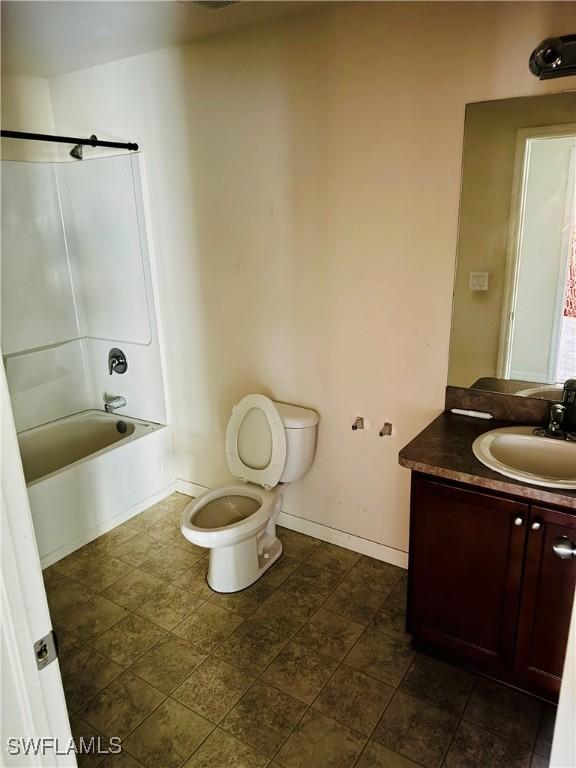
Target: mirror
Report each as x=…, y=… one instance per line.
x=514, y=312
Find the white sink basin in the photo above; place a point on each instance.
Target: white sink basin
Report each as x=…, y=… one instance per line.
x=549, y=392
x=517, y=452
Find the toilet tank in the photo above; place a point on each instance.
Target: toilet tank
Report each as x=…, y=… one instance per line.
x=300, y=426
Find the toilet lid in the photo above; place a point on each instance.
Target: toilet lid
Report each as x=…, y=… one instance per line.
x=256, y=441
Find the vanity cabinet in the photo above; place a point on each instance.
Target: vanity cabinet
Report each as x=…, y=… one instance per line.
x=486, y=589
x=547, y=596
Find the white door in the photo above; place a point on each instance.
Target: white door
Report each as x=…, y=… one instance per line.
x=564, y=741
x=32, y=704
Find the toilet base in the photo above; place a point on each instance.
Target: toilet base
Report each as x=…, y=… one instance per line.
x=238, y=566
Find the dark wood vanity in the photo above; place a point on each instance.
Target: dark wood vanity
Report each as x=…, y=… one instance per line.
x=486, y=588
x=492, y=569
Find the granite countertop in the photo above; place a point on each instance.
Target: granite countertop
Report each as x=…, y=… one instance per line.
x=444, y=449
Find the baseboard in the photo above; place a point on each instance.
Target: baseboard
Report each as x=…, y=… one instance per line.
x=323, y=532
x=347, y=540
x=190, y=489
x=98, y=530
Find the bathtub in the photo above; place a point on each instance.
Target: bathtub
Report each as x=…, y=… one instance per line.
x=89, y=472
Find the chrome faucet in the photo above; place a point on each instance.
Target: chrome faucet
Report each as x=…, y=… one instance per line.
x=111, y=404
x=557, y=426
x=557, y=411
x=562, y=418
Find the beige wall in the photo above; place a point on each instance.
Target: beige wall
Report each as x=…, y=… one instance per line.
x=26, y=106
x=304, y=183
x=488, y=170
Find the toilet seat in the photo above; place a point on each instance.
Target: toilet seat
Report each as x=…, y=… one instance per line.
x=269, y=475
x=225, y=535
x=196, y=527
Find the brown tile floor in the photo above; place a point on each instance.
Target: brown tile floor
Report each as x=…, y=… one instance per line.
x=310, y=667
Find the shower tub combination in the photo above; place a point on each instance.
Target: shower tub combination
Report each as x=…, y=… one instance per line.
x=89, y=472
x=77, y=279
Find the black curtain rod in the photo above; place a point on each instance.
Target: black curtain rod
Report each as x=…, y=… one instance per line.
x=67, y=140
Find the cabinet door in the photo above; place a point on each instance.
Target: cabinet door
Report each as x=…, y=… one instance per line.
x=547, y=597
x=466, y=551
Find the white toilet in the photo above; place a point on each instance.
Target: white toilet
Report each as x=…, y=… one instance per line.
x=266, y=443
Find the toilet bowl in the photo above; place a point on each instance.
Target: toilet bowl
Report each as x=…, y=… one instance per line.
x=267, y=443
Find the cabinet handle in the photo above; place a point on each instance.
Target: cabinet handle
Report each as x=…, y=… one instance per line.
x=564, y=548
x=518, y=521
x=536, y=525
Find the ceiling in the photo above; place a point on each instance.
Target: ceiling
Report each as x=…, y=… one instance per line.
x=50, y=38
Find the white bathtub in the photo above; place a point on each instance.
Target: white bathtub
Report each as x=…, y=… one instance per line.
x=89, y=472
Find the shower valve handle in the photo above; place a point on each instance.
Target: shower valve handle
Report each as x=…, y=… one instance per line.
x=117, y=362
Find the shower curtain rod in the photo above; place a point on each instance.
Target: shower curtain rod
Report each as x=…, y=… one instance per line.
x=67, y=140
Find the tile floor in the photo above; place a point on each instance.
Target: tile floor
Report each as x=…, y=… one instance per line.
x=308, y=668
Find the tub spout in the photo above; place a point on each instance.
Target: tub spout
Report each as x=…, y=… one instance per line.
x=113, y=403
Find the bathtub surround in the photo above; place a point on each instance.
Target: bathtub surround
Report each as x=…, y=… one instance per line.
x=49, y=384
x=76, y=281
x=45, y=357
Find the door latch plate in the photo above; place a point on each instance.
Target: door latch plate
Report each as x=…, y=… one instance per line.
x=45, y=650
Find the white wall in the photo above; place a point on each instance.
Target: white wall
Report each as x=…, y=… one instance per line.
x=304, y=184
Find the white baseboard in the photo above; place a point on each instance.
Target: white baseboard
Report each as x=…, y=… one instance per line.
x=190, y=489
x=98, y=530
x=347, y=540
x=323, y=532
